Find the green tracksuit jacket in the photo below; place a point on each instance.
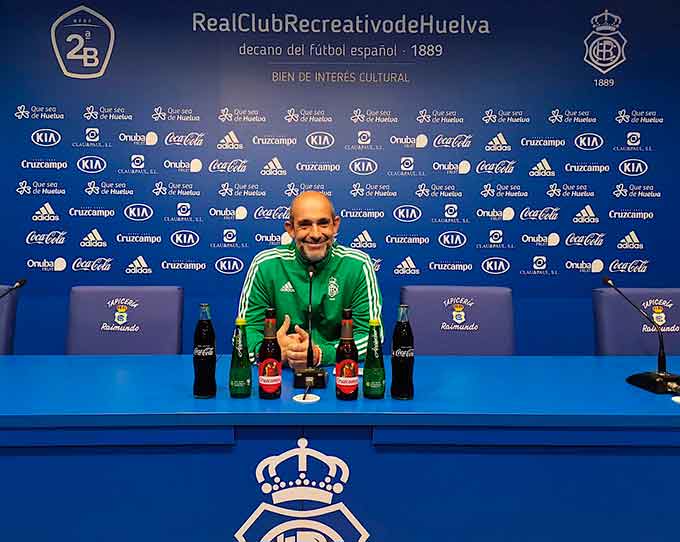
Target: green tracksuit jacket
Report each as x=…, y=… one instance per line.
x=279, y=278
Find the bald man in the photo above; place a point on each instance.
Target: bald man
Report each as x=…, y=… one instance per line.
x=279, y=277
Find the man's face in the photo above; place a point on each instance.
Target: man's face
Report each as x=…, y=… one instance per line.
x=313, y=228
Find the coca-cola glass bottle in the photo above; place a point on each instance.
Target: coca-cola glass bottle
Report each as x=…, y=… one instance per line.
x=205, y=357
x=402, y=357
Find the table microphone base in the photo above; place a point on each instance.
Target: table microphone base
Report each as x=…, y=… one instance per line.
x=655, y=382
x=310, y=377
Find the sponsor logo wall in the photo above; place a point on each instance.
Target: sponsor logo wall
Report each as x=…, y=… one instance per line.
x=167, y=186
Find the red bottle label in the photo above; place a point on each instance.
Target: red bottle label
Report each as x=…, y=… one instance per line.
x=269, y=374
x=347, y=376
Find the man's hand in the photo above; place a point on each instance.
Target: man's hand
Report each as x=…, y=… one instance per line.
x=297, y=352
x=285, y=341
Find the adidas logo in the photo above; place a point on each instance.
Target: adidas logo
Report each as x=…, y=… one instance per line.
x=586, y=216
x=92, y=240
x=138, y=266
x=363, y=240
x=631, y=242
x=498, y=143
x=273, y=167
x=230, y=142
x=542, y=169
x=45, y=214
x=287, y=287
x=406, y=267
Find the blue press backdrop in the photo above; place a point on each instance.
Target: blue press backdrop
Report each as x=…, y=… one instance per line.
x=531, y=62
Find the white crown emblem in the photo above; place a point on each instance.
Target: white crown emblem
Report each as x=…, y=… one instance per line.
x=302, y=488
x=605, y=22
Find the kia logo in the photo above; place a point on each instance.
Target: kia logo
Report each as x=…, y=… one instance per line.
x=46, y=137
x=229, y=265
x=452, y=239
x=91, y=164
x=184, y=238
x=495, y=265
x=407, y=213
x=138, y=212
x=633, y=167
x=363, y=166
x=320, y=140
x=588, y=141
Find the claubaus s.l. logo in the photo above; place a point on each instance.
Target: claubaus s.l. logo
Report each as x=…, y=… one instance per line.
x=82, y=40
x=302, y=474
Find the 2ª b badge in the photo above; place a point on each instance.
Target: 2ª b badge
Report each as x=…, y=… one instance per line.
x=82, y=40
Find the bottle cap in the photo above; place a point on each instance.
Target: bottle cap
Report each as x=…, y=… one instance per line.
x=204, y=305
x=346, y=314
x=240, y=321
x=374, y=322
x=270, y=313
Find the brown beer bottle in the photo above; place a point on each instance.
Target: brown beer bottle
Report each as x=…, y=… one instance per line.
x=346, y=361
x=269, y=359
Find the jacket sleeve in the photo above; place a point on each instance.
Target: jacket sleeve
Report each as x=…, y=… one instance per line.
x=366, y=305
x=252, y=305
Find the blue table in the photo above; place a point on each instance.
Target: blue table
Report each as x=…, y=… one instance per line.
x=491, y=449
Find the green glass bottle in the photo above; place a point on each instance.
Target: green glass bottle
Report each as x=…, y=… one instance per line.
x=374, y=368
x=240, y=373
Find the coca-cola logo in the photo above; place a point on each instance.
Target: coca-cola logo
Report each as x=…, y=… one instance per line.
x=503, y=167
x=55, y=237
x=98, y=264
x=278, y=213
x=588, y=240
x=460, y=141
x=204, y=351
x=238, y=165
x=547, y=213
x=634, y=266
x=403, y=352
x=192, y=139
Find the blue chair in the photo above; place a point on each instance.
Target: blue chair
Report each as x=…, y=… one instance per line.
x=125, y=320
x=620, y=330
x=462, y=320
x=8, y=315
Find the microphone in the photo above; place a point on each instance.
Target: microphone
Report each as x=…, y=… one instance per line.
x=310, y=348
x=18, y=284
x=310, y=377
x=660, y=381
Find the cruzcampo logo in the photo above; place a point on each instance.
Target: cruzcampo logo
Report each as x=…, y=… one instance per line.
x=82, y=40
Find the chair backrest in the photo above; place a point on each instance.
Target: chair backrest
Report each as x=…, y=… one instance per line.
x=464, y=320
x=620, y=330
x=8, y=315
x=125, y=320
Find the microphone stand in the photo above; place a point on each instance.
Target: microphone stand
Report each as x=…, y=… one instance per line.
x=659, y=381
x=310, y=377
